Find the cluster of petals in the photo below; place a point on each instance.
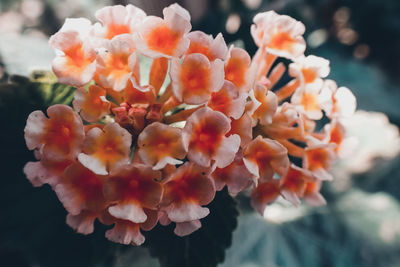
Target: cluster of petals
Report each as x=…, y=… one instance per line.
x=145, y=148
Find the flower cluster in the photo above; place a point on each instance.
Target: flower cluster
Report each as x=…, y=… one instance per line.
x=141, y=148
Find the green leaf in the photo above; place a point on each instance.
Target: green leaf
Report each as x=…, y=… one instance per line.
x=205, y=247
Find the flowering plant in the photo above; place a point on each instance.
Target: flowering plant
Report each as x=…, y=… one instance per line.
x=140, y=148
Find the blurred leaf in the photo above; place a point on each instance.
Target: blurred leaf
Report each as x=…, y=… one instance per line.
x=205, y=247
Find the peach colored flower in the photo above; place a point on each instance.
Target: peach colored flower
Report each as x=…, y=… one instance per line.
x=337, y=102
x=117, y=20
x=83, y=222
x=160, y=144
x=131, y=189
x=139, y=95
x=126, y=232
x=237, y=68
x=235, y=176
x=106, y=149
x=310, y=70
x=263, y=157
x=186, y=228
x=243, y=128
x=116, y=63
x=205, y=44
x=263, y=106
x=164, y=37
x=186, y=191
x=312, y=195
x=204, y=138
x=196, y=78
x=307, y=100
x=264, y=194
x=228, y=100
x=294, y=184
x=335, y=133
x=158, y=72
x=280, y=34
x=45, y=171
x=318, y=158
x=75, y=63
x=91, y=104
x=59, y=137
x=80, y=189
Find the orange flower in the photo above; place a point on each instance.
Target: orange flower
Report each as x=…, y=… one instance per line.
x=237, y=68
x=309, y=70
x=116, y=63
x=204, y=44
x=181, y=228
x=106, y=149
x=243, y=128
x=336, y=133
x=263, y=106
x=132, y=189
x=80, y=189
x=93, y=104
x=186, y=191
x=318, y=158
x=117, y=20
x=164, y=37
x=307, y=100
x=186, y=228
x=204, y=138
x=312, y=195
x=228, y=100
x=45, y=171
x=280, y=34
x=126, y=232
x=139, y=95
x=59, y=137
x=160, y=144
x=263, y=157
x=264, y=194
x=196, y=78
x=75, y=61
x=294, y=184
x=235, y=176
x=337, y=102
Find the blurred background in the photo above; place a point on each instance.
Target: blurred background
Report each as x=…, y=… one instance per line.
x=360, y=226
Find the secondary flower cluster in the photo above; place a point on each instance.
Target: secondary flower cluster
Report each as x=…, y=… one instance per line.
x=140, y=148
